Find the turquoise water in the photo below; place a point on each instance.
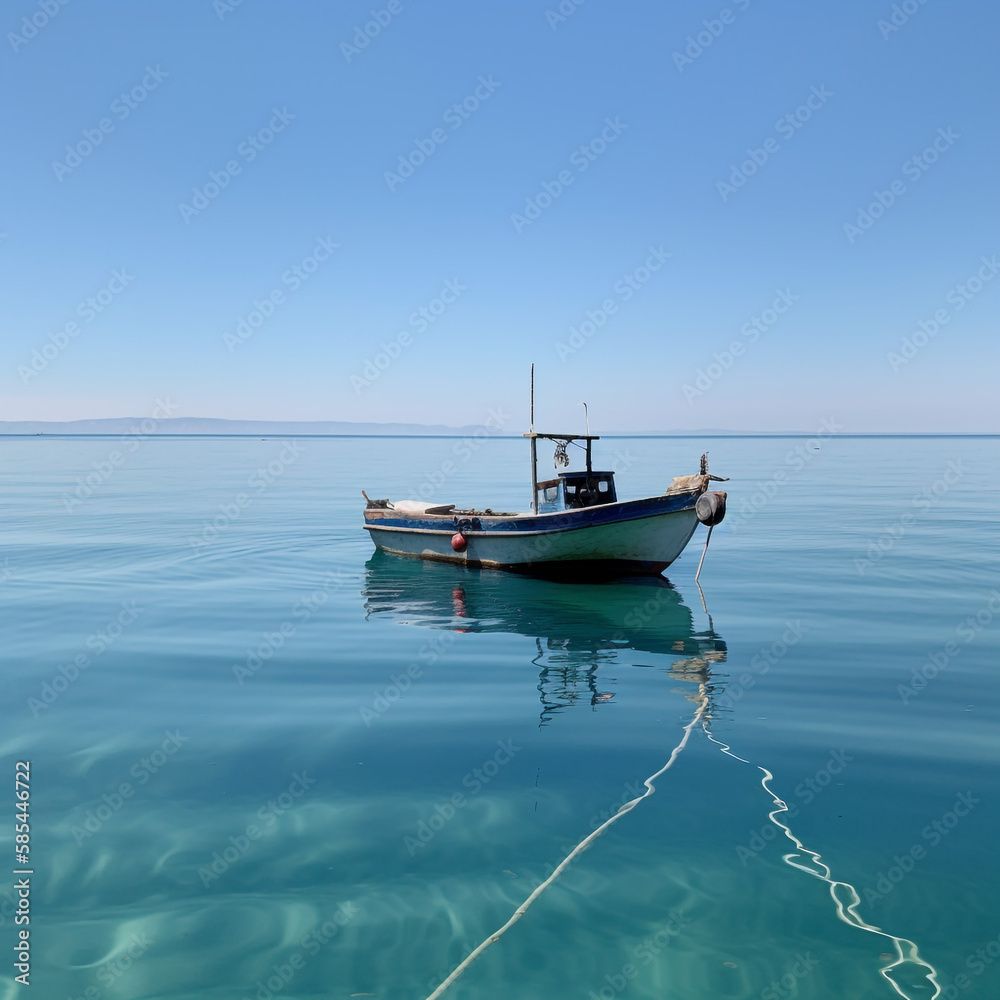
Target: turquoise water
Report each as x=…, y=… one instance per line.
x=266, y=763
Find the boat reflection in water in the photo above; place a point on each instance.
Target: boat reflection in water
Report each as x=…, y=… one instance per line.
x=577, y=628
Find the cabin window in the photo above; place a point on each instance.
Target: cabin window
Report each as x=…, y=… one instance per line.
x=583, y=490
x=549, y=496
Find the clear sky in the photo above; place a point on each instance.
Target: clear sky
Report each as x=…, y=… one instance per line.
x=665, y=179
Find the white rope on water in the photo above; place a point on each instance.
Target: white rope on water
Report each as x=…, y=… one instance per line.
x=906, y=950
x=580, y=848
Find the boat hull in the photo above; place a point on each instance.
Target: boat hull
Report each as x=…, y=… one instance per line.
x=639, y=537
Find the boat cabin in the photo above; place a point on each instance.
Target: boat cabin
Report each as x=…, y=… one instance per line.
x=572, y=490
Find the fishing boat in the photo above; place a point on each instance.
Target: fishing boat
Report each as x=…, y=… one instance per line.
x=576, y=528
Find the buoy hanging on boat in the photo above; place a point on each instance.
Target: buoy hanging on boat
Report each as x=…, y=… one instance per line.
x=458, y=542
x=710, y=508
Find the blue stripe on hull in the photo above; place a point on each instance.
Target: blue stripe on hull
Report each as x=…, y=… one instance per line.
x=566, y=520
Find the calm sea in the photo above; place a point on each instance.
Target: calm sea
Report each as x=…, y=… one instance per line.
x=266, y=763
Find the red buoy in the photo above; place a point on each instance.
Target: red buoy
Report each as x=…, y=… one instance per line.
x=458, y=542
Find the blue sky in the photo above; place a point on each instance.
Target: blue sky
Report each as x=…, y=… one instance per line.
x=680, y=184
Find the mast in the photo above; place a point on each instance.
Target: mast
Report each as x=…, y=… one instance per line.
x=534, y=447
x=531, y=415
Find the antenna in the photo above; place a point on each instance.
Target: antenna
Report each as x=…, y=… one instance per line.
x=534, y=447
x=532, y=421
x=586, y=417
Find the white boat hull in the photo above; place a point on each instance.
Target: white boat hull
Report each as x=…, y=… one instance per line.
x=550, y=543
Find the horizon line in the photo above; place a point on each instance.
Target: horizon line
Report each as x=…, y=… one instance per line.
x=159, y=427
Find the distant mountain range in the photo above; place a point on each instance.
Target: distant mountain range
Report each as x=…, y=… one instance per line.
x=211, y=425
x=270, y=428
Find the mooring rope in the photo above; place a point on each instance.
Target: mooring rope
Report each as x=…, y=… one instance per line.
x=580, y=848
x=906, y=950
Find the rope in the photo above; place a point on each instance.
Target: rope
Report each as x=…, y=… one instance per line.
x=580, y=848
x=704, y=553
x=906, y=950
